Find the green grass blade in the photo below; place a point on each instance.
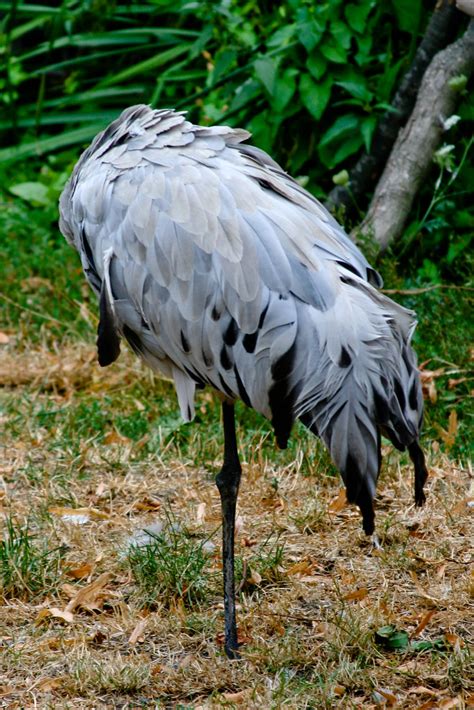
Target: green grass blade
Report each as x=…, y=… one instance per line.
x=46, y=145
x=94, y=95
x=55, y=119
x=27, y=27
x=147, y=65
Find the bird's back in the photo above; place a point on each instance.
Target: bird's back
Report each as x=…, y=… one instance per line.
x=220, y=270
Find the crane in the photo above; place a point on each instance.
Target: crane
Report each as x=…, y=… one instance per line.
x=220, y=270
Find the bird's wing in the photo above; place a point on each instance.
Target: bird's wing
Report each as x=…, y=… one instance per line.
x=214, y=249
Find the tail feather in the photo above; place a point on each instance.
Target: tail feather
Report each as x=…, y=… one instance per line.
x=372, y=390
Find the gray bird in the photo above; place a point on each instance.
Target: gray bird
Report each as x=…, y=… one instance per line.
x=219, y=269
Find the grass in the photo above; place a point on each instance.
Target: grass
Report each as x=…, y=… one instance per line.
x=28, y=567
x=313, y=595
x=168, y=564
x=93, y=458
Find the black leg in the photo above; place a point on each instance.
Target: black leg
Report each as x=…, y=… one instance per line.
x=227, y=482
x=421, y=472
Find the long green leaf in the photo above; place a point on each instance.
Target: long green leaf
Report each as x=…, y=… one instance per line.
x=147, y=65
x=106, y=39
x=46, y=145
x=60, y=118
x=87, y=58
x=27, y=27
x=93, y=95
x=33, y=9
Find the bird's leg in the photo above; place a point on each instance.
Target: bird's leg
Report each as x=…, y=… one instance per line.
x=227, y=482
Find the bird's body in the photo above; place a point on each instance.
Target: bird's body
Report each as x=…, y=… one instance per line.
x=220, y=270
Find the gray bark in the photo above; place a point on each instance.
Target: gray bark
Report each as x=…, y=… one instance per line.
x=441, y=30
x=412, y=153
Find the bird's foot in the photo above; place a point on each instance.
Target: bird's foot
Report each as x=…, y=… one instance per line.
x=375, y=542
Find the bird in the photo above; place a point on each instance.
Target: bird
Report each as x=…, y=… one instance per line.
x=220, y=270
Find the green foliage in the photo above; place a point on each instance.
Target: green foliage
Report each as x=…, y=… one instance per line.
x=392, y=639
x=28, y=567
x=271, y=68
x=308, y=79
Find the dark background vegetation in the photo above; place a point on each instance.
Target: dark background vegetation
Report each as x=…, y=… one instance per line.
x=309, y=80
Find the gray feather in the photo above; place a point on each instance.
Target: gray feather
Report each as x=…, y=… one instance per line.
x=225, y=271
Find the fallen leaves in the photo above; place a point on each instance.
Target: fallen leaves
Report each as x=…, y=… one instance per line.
x=449, y=435
x=91, y=597
x=423, y=623
x=78, y=516
x=356, y=595
x=54, y=613
x=137, y=634
x=84, y=570
x=339, y=502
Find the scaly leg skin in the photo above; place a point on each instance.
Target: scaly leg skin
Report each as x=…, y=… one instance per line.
x=376, y=542
x=421, y=472
x=227, y=482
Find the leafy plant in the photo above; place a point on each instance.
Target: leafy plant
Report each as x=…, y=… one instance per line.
x=70, y=69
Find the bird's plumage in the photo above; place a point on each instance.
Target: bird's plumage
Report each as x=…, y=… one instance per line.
x=219, y=269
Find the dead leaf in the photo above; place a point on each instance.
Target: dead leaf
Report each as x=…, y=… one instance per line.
x=99, y=491
x=78, y=516
x=33, y=283
x=339, y=690
x=55, y=613
x=80, y=572
x=48, y=684
x=6, y=690
x=156, y=669
x=97, y=638
x=137, y=633
x=428, y=382
x=305, y=566
x=383, y=696
x=147, y=504
x=449, y=435
x=424, y=622
x=239, y=697
x=357, y=594
x=421, y=690
x=338, y=503
x=247, y=542
x=239, y=524
x=421, y=591
x=453, y=639
x=450, y=703
x=200, y=513
x=254, y=577
x=90, y=597
x=241, y=638
x=113, y=437
x=452, y=383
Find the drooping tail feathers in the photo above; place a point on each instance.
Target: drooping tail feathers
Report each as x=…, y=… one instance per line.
x=371, y=389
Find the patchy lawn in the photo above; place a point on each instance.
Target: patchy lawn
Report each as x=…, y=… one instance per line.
x=110, y=568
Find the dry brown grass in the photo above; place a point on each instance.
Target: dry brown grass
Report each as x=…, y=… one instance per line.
x=308, y=635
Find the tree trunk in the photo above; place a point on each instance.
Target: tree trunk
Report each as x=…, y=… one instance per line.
x=441, y=30
x=412, y=154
